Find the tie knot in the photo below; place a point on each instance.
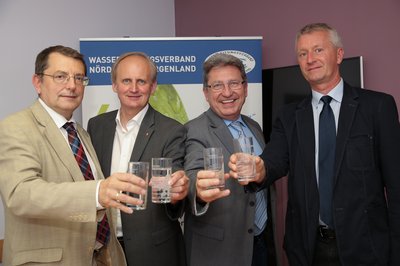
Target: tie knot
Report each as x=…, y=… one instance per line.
x=326, y=99
x=237, y=125
x=69, y=126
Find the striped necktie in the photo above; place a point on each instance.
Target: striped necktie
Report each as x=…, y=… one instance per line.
x=103, y=228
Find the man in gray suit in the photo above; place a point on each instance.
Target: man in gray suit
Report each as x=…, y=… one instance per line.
x=53, y=205
x=137, y=132
x=220, y=228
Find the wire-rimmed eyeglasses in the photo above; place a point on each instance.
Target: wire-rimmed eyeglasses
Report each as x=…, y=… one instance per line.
x=62, y=78
x=232, y=84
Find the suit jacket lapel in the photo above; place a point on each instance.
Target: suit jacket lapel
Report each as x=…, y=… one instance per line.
x=348, y=110
x=56, y=140
x=107, y=145
x=256, y=132
x=306, y=136
x=144, y=135
x=220, y=130
x=84, y=136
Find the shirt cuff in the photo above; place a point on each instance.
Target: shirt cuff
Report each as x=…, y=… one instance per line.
x=200, y=208
x=98, y=205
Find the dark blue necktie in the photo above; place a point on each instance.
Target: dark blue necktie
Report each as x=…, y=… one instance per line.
x=326, y=160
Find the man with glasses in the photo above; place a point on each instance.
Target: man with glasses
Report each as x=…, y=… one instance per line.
x=52, y=187
x=220, y=227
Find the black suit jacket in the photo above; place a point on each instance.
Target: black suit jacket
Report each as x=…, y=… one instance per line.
x=152, y=236
x=367, y=163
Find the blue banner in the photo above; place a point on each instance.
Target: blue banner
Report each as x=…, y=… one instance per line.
x=178, y=60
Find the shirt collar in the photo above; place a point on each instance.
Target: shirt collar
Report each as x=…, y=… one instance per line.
x=240, y=119
x=57, y=118
x=336, y=93
x=134, y=121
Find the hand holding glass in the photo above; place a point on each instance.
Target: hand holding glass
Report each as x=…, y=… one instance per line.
x=246, y=164
x=214, y=161
x=161, y=169
x=139, y=169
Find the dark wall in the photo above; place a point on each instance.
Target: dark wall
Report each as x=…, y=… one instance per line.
x=283, y=85
x=368, y=28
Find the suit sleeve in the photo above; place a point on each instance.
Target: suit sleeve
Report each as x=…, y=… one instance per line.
x=175, y=148
x=389, y=153
x=275, y=154
x=195, y=143
x=34, y=181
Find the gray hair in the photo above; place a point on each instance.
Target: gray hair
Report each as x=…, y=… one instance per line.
x=309, y=28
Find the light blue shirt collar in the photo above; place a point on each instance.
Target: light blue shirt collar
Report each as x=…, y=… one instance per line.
x=336, y=93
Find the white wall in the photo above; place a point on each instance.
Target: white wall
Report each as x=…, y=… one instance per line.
x=27, y=27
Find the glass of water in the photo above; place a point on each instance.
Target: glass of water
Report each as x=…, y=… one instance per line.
x=214, y=161
x=246, y=163
x=139, y=169
x=161, y=170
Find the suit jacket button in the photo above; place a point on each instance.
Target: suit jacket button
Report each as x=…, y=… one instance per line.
x=251, y=203
x=250, y=231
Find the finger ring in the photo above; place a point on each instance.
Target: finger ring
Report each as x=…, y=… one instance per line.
x=116, y=196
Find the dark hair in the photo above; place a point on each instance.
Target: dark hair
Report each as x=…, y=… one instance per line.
x=221, y=59
x=41, y=63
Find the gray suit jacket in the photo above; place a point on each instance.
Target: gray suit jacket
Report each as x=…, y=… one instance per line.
x=50, y=210
x=224, y=234
x=152, y=236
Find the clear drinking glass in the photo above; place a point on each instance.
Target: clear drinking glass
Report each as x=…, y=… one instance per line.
x=246, y=164
x=161, y=170
x=139, y=169
x=214, y=161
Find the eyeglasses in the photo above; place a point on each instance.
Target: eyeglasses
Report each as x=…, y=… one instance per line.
x=62, y=78
x=232, y=84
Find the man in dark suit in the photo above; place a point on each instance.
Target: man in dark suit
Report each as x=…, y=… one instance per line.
x=220, y=228
x=361, y=225
x=137, y=132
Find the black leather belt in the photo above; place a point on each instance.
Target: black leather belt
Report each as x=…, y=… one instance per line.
x=326, y=233
x=259, y=237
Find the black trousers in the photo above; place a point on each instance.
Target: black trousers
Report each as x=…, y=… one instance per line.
x=326, y=250
x=264, y=247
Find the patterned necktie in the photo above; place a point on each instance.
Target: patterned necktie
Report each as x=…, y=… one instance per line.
x=103, y=228
x=261, y=206
x=326, y=160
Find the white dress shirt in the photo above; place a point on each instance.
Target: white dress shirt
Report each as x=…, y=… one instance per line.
x=124, y=141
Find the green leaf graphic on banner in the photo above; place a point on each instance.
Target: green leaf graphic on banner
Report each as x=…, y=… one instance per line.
x=103, y=108
x=166, y=100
